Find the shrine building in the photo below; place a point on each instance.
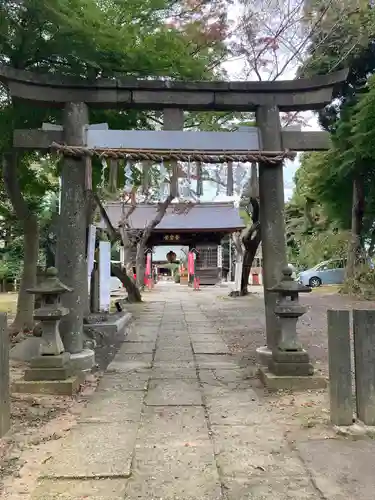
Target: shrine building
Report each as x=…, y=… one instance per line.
x=199, y=226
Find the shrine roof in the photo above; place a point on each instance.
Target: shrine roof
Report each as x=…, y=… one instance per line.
x=180, y=216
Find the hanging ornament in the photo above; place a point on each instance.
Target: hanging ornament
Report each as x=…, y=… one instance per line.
x=199, y=180
x=239, y=177
x=146, y=168
x=164, y=186
x=217, y=178
x=104, y=168
x=187, y=183
x=128, y=175
x=230, y=179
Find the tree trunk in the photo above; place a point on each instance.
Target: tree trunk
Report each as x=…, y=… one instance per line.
x=355, y=247
x=25, y=302
x=251, y=239
x=134, y=295
x=140, y=265
x=251, y=248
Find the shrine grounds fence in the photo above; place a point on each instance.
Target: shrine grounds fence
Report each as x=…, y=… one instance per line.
x=351, y=365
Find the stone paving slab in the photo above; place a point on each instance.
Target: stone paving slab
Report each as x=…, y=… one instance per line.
x=113, y=406
x=271, y=488
x=138, y=347
x=175, y=470
x=142, y=337
x=177, y=330
x=239, y=378
x=173, y=356
x=94, y=489
x=230, y=407
x=251, y=451
x=180, y=424
x=202, y=330
x=210, y=361
x=133, y=381
x=173, y=342
x=342, y=469
x=210, y=348
x=130, y=362
x=205, y=337
x=181, y=370
x=173, y=392
x=95, y=450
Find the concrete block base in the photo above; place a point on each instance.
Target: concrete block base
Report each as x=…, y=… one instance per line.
x=294, y=383
x=66, y=387
x=291, y=369
x=37, y=374
x=82, y=361
x=60, y=361
x=112, y=326
x=263, y=355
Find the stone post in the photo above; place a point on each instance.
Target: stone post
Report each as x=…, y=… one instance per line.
x=364, y=359
x=4, y=376
x=340, y=370
x=173, y=119
x=71, y=243
x=271, y=193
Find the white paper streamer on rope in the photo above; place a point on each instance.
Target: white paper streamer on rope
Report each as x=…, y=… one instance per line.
x=217, y=177
x=187, y=183
x=239, y=178
x=164, y=186
x=128, y=174
x=104, y=168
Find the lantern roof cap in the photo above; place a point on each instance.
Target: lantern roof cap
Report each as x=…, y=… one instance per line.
x=50, y=285
x=288, y=285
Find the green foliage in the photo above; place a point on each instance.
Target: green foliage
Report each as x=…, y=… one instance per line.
x=362, y=285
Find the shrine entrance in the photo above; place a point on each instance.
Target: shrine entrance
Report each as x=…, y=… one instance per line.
x=266, y=144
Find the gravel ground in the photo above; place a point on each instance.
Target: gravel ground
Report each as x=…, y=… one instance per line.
x=241, y=321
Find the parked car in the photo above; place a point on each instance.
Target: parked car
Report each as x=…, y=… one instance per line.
x=329, y=272
x=115, y=284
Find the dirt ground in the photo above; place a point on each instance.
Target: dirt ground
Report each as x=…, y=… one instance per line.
x=243, y=324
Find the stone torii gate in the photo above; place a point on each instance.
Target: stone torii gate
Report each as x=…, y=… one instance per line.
x=266, y=99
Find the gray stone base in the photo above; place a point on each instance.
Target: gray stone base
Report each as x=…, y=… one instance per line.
x=263, y=355
x=291, y=369
x=280, y=356
x=60, y=361
x=66, y=387
x=38, y=374
x=295, y=383
x=112, y=326
x=82, y=361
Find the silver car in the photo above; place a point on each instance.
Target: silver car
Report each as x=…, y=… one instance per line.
x=329, y=272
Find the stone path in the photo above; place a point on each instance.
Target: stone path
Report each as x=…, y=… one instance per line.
x=177, y=417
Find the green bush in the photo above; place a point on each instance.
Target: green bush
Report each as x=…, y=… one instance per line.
x=177, y=278
x=362, y=285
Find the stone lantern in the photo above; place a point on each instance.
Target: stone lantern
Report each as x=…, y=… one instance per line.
x=50, y=312
x=288, y=356
x=52, y=364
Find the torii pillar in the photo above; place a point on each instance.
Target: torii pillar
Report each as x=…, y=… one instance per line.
x=71, y=243
x=271, y=194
